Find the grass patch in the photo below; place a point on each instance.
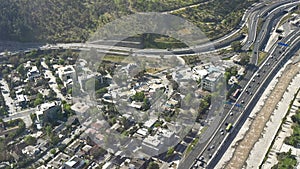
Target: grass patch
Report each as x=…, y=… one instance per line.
x=161, y=42
x=191, y=146
x=116, y=59
x=216, y=18
x=224, y=51
x=244, y=30
x=259, y=25
x=261, y=57
x=154, y=70
x=285, y=19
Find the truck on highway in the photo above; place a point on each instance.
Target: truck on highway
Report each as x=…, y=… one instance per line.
x=236, y=93
x=229, y=126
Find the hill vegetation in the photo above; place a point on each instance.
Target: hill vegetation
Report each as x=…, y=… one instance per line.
x=74, y=21
x=218, y=17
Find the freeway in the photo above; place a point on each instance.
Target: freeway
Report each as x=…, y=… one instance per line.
x=108, y=48
x=209, y=46
x=269, y=23
x=209, y=154
x=261, y=11
x=247, y=95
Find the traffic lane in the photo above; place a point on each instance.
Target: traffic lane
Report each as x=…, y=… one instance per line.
x=216, y=143
x=246, y=113
x=251, y=105
x=274, y=71
x=264, y=34
x=245, y=98
x=254, y=17
x=191, y=158
x=231, y=119
x=255, y=87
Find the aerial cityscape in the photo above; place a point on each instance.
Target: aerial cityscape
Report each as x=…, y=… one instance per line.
x=129, y=84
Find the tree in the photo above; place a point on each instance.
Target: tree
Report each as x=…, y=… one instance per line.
x=153, y=165
x=97, y=152
x=245, y=59
x=37, y=101
x=146, y=104
x=139, y=96
x=236, y=46
x=53, y=151
x=29, y=140
x=21, y=69
x=170, y=151
x=101, y=92
x=48, y=130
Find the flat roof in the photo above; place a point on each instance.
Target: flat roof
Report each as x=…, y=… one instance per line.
x=149, y=123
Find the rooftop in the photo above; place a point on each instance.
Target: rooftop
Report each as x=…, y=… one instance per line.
x=80, y=107
x=214, y=76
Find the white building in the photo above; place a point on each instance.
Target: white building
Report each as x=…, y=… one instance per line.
x=33, y=73
x=160, y=142
x=210, y=81
x=87, y=74
x=46, y=109
x=66, y=74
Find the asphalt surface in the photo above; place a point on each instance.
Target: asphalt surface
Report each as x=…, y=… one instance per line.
x=270, y=19
x=201, y=149
x=207, y=149
x=261, y=11
x=251, y=93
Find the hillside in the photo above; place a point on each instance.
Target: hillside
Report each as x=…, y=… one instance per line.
x=74, y=20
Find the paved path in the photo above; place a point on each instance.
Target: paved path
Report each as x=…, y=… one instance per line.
x=24, y=115
x=6, y=94
x=52, y=83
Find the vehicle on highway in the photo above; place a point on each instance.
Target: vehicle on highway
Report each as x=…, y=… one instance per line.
x=229, y=126
x=236, y=93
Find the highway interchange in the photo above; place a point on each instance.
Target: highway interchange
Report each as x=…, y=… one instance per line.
x=257, y=37
x=207, y=154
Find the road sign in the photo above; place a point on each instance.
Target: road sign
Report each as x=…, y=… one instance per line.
x=283, y=44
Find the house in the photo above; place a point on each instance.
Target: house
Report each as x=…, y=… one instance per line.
x=74, y=163
x=80, y=108
x=31, y=150
x=87, y=74
x=142, y=132
x=74, y=147
x=210, y=81
x=135, y=163
x=33, y=73
x=58, y=160
x=21, y=100
x=149, y=123
x=153, y=145
x=66, y=75
x=47, y=111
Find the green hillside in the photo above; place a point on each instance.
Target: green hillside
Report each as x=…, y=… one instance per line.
x=74, y=20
